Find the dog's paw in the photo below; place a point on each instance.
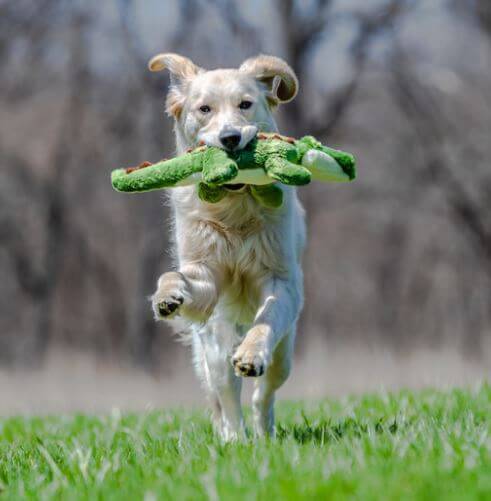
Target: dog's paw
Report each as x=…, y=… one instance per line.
x=169, y=296
x=250, y=360
x=167, y=307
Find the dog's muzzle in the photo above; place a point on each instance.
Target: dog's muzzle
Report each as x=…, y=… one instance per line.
x=230, y=139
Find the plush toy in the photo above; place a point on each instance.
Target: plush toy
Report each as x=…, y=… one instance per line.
x=267, y=159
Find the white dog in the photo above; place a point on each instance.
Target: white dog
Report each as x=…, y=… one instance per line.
x=239, y=279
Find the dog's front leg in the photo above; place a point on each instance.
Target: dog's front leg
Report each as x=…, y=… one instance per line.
x=268, y=346
x=280, y=306
x=192, y=292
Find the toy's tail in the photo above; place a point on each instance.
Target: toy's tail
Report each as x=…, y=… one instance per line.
x=179, y=171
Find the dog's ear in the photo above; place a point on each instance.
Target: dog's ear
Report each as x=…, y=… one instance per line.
x=180, y=67
x=181, y=70
x=280, y=79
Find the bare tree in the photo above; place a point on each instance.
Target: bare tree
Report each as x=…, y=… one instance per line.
x=79, y=260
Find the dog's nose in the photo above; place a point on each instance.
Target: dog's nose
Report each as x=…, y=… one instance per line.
x=230, y=139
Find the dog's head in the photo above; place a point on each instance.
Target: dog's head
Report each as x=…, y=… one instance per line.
x=225, y=107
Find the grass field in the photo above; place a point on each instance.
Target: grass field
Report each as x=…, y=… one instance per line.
x=425, y=445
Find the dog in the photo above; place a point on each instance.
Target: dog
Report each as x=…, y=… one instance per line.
x=239, y=283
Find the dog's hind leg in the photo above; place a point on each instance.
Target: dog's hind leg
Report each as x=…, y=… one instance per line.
x=280, y=306
x=213, y=346
x=265, y=387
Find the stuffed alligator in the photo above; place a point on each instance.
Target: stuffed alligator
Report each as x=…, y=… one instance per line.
x=267, y=159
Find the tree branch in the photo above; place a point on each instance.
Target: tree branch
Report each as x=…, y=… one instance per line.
x=370, y=27
x=431, y=129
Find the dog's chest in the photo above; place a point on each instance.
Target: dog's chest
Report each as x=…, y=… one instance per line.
x=249, y=257
x=242, y=244
x=242, y=235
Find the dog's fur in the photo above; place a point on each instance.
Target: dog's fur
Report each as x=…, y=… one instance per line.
x=239, y=281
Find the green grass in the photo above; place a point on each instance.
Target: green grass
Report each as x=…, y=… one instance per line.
x=425, y=445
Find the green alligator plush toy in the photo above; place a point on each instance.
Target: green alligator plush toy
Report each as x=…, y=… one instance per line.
x=267, y=159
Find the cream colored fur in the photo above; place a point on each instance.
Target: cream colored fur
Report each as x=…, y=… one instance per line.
x=238, y=284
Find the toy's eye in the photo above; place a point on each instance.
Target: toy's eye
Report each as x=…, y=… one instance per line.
x=245, y=105
x=205, y=109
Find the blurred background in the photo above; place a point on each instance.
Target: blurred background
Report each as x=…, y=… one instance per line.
x=398, y=267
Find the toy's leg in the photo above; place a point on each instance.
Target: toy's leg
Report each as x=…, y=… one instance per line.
x=213, y=346
x=218, y=168
x=286, y=172
x=211, y=194
x=268, y=195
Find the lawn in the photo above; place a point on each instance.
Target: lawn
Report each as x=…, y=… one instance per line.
x=424, y=445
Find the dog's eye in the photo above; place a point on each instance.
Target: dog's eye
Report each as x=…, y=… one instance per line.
x=205, y=109
x=245, y=105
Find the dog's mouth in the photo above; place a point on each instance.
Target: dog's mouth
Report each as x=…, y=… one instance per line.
x=234, y=187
